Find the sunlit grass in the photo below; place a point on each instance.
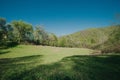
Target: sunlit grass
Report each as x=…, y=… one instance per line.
x=50, y=54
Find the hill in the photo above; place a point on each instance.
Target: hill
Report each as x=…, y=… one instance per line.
x=95, y=38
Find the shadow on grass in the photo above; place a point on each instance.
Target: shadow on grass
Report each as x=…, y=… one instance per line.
x=8, y=45
x=82, y=68
x=11, y=44
x=97, y=67
x=4, y=52
x=12, y=67
x=4, y=47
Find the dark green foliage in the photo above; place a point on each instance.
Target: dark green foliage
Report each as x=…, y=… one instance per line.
x=3, y=31
x=23, y=30
x=70, y=68
x=6, y=32
x=20, y=32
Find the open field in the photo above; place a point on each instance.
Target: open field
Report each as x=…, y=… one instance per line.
x=49, y=54
x=27, y=62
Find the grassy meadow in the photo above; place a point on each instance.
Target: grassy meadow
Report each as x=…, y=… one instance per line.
x=47, y=53
x=30, y=62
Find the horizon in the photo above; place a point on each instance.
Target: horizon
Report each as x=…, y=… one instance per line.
x=62, y=17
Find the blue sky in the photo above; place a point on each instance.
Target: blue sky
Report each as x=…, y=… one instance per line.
x=62, y=16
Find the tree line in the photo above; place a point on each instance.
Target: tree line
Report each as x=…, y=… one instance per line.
x=21, y=32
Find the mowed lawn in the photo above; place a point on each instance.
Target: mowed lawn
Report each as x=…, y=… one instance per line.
x=28, y=62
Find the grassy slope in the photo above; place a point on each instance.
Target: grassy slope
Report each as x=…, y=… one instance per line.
x=19, y=63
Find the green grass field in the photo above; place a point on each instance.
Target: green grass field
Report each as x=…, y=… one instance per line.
x=28, y=62
x=49, y=54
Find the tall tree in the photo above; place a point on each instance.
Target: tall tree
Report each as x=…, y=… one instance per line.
x=40, y=35
x=53, y=40
x=3, y=30
x=23, y=29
